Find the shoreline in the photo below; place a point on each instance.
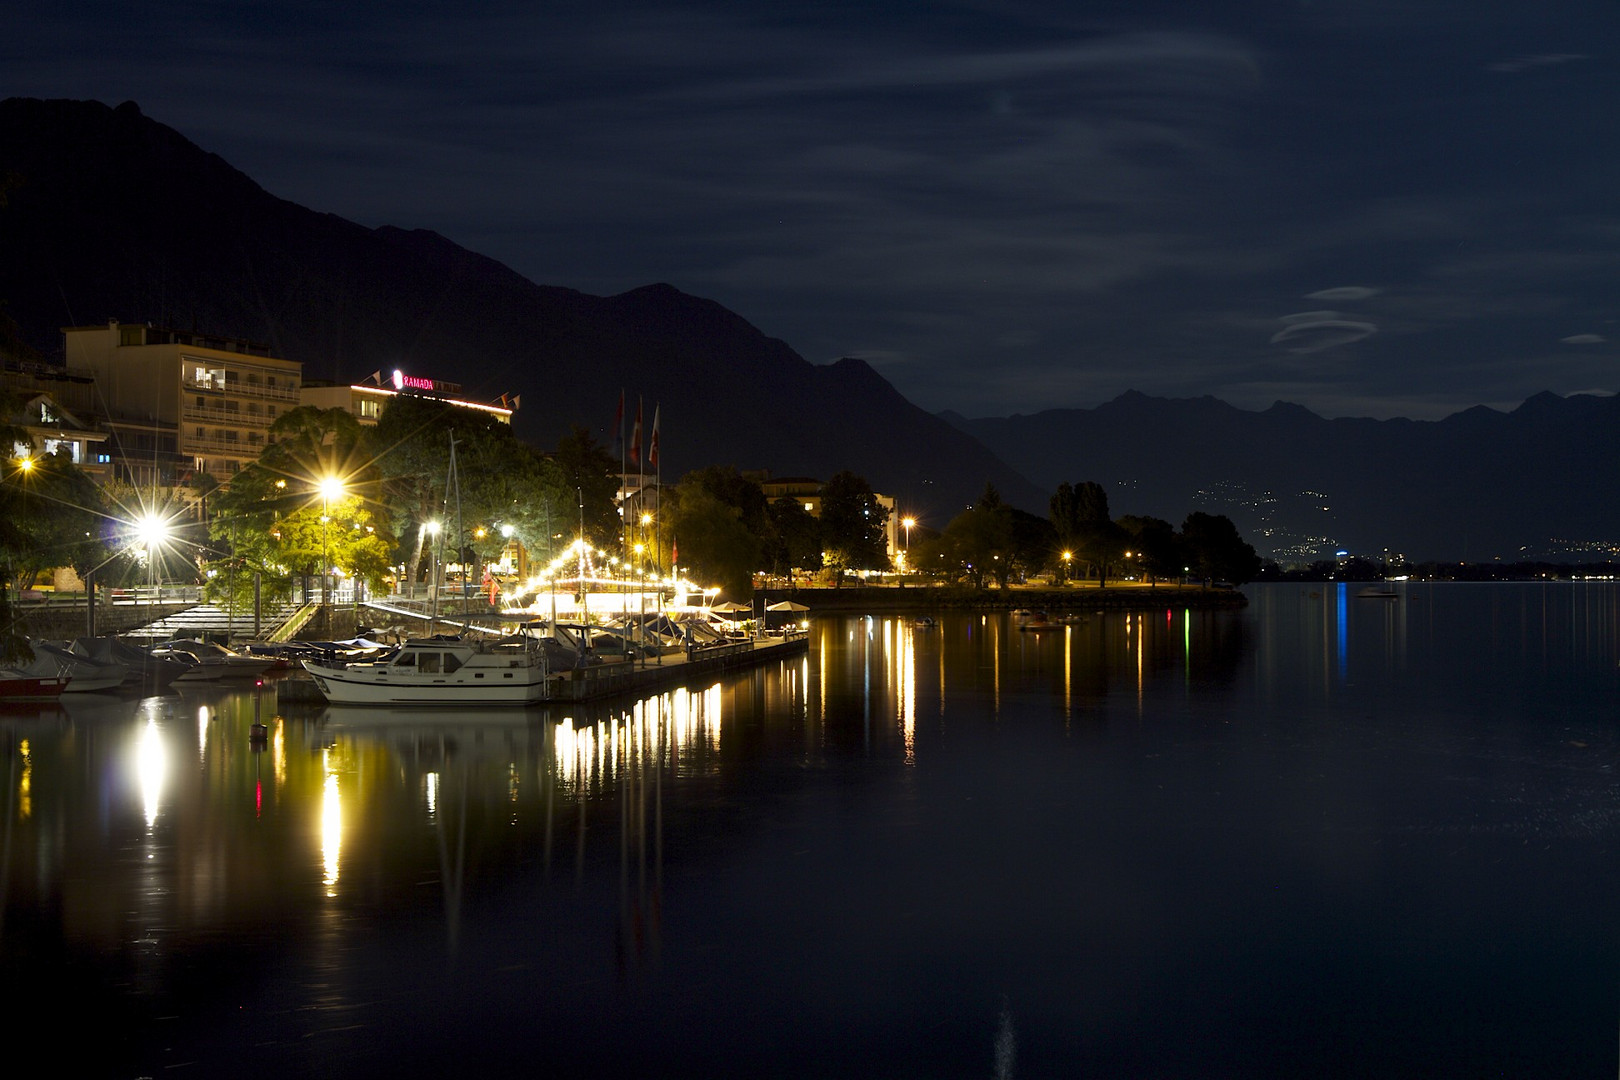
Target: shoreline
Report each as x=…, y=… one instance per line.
x=867, y=599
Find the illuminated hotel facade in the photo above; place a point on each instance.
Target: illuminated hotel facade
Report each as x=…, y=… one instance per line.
x=365, y=400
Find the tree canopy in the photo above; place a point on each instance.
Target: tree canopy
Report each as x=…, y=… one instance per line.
x=853, y=525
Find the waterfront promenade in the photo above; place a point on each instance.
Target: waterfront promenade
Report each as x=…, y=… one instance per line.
x=1126, y=596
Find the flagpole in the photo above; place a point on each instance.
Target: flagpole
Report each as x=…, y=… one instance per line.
x=658, y=523
x=641, y=496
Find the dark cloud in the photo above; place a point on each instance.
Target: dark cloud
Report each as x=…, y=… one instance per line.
x=1004, y=206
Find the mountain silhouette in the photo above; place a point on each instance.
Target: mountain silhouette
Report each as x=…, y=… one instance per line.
x=112, y=215
x=1536, y=482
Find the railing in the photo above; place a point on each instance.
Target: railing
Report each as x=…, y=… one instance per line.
x=242, y=389
x=216, y=415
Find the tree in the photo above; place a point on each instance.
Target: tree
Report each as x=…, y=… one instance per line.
x=51, y=514
x=715, y=543
x=500, y=482
x=853, y=525
x=1155, y=547
x=1080, y=515
x=312, y=494
x=796, y=537
x=590, y=478
x=979, y=540
x=54, y=511
x=1216, y=551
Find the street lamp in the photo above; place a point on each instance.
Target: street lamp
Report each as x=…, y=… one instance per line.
x=906, y=523
x=1067, y=555
x=151, y=533
x=431, y=528
x=330, y=487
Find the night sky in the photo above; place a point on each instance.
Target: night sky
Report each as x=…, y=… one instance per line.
x=1368, y=208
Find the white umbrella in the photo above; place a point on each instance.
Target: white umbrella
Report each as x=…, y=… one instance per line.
x=787, y=605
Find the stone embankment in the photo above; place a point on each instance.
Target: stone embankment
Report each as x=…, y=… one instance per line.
x=1082, y=598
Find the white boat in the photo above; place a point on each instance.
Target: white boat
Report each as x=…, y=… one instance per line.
x=54, y=659
x=208, y=662
x=441, y=671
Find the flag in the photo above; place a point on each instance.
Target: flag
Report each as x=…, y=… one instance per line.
x=635, y=436
x=618, y=427
x=652, y=442
x=674, y=553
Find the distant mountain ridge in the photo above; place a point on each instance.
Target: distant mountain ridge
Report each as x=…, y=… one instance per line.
x=118, y=216
x=1481, y=484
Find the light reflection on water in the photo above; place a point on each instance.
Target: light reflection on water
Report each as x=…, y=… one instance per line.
x=1160, y=842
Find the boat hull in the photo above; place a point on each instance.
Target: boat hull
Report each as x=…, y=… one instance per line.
x=344, y=688
x=31, y=688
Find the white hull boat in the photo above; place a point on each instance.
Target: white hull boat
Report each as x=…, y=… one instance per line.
x=207, y=662
x=440, y=672
x=84, y=675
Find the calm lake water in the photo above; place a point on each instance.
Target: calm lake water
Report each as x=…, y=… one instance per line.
x=1325, y=836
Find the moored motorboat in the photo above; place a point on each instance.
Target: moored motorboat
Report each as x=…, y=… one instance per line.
x=208, y=662
x=440, y=671
x=85, y=675
x=17, y=685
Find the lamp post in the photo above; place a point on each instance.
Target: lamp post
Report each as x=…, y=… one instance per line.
x=432, y=529
x=1067, y=555
x=153, y=532
x=906, y=523
x=331, y=487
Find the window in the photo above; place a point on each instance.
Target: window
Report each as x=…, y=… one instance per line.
x=63, y=446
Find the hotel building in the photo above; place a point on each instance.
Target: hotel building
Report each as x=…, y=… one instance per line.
x=177, y=403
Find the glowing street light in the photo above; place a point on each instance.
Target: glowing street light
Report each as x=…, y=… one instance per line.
x=331, y=487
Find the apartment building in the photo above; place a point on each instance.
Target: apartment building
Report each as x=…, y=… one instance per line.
x=176, y=403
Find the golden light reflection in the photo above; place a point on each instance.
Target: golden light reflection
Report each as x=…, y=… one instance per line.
x=278, y=743
x=589, y=756
x=1068, y=672
x=151, y=768
x=25, y=783
x=1141, y=661
x=331, y=824
x=906, y=676
x=204, y=714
